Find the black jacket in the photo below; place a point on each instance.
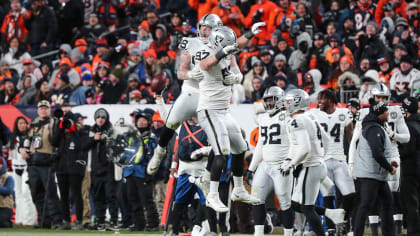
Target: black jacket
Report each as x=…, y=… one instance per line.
x=410, y=152
x=43, y=27
x=70, y=160
x=112, y=94
x=100, y=165
x=69, y=16
x=371, y=48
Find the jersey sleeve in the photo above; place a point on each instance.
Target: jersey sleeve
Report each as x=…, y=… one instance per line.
x=185, y=44
x=349, y=117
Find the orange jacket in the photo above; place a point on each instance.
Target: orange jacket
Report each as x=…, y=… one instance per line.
x=244, y=56
x=347, y=52
x=379, y=12
x=13, y=26
x=95, y=63
x=385, y=78
x=277, y=16
x=224, y=15
x=203, y=8
x=267, y=7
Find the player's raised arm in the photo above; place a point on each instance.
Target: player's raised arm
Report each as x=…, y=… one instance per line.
x=244, y=39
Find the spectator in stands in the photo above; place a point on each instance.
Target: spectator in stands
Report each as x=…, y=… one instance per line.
x=29, y=68
x=281, y=81
x=385, y=70
x=371, y=46
x=349, y=86
x=64, y=50
x=172, y=89
x=46, y=69
x=281, y=17
x=78, y=60
x=102, y=171
x=346, y=64
x=362, y=13
x=139, y=183
x=261, y=12
x=331, y=16
x=7, y=186
x=265, y=57
x=114, y=87
x=165, y=62
x=256, y=94
x=136, y=64
x=258, y=69
x=144, y=37
x=25, y=208
x=280, y=65
x=151, y=67
x=70, y=20
x=304, y=21
x=399, y=51
x=319, y=47
x=298, y=59
x=142, y=93
x=7, y=73
x=13, y=24
x=331, y=30
x=15, y=54
x=61, y=93
x=312, y=80
x=348, y=34
x=334, y=41
x=78, y=97
x=413, y=16
x=27, y=89
x=401, y=80
x=283, y=48
x=230, y=15
x=65, y=67
x=107, y=13
x=152, y=20
x=400, y=7
x=364, y=65
x=368, y=80
x=43, y=91
x=9, y=95
x=92, y=31
x=161, y=40
x=42, y=26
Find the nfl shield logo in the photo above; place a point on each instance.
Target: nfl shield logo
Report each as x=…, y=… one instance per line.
x=341, y=117
x=393, y=115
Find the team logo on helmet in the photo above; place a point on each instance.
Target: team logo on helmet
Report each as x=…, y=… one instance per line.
x=297, y=99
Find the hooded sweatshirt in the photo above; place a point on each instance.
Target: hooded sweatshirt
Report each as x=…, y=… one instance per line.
x=298, y=57
x=316, y=78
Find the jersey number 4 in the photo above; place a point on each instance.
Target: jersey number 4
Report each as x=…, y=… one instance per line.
x=271, y=134
x=335, y=131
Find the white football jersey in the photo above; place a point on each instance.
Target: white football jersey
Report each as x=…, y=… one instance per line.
x=303, y=121
x=334, y=125
x=273, y=137
x=395, y=121
x=198, y=51
x=214, y=94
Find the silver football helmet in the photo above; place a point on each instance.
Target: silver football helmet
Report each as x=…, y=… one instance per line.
x=380, y=90
x=221, y=37
x=297, y=100
x=210, y=20
x=276, y=103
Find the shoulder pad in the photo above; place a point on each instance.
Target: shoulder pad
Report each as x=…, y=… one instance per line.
x=187, y=43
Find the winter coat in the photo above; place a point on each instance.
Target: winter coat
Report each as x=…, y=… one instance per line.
x=42, y=27
x=298, y=58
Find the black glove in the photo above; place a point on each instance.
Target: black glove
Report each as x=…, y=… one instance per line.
x=249, y=177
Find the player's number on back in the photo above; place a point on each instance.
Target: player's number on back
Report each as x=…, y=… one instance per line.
x=335, y=131
x=271, y=134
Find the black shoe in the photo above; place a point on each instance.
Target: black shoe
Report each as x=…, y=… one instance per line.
x=100, y=227
x=133, y=228
x=61, y=226
x=151, y=228
x=113, y=226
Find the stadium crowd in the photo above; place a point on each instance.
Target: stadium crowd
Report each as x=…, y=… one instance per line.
x=63, y=53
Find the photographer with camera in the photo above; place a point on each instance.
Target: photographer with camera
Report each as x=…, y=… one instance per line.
x=37, y=149
x=70, y=167
x=102, y=170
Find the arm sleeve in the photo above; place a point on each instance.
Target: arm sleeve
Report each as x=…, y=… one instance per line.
x=256, y=158
x=356, y=135
x=8, y=187
x=402, y=133
x=374, y=137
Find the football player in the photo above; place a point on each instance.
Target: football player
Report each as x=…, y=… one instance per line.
x=220, y=72
x=398, y=132
x=337, y=122
x=308, y=144
x=272, y=147
x=193, y=50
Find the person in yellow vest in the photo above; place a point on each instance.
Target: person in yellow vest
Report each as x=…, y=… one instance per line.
x=7, y=186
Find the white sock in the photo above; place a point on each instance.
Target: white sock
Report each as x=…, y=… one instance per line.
x=238, y=182
x=287, y=232
x=214, y=186
x=373, y=219
x=259, y=230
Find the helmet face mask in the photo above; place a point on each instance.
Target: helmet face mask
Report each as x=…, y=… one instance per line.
x=297, y=100
x=210, y=20
x=221, y=37
x=273, y=100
